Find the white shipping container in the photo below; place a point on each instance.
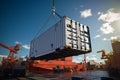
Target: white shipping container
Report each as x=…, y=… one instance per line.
x=66, y=38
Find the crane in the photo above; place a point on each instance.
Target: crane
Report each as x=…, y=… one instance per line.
x=104, y=55
x=10, y=58
x=8, y=64
x=13, y=50
x=108, y=57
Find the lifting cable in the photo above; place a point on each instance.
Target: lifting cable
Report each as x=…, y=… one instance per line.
x=49, y=18
x=43, y=26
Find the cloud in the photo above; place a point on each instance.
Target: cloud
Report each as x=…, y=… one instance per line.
x=3, y=55
x=79, y=59
x=17, y=42
x=26, y=46
x=106, y=28
x=97, y=36
x=110, y=38
x=105, y=39
x=113, y=37
x=110, y=16
x=92, y=57
x=99, y=13
x=86, y=13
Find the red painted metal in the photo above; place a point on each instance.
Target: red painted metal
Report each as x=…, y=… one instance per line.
x=10, y=57
x=65, y=64
x=85, y=66
x=8, y=47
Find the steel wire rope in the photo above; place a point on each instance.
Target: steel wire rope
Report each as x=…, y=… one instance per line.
x=43, y=26
x=51, y=17
x=40, y=30
x=53, y=14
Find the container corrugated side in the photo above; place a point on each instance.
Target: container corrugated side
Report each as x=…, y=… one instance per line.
x=49, y=41
x=66, y=38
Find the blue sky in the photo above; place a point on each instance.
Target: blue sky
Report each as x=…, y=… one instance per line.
x=20, y=21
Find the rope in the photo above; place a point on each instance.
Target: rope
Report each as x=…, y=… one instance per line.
x=43, y=26
x=51, y=15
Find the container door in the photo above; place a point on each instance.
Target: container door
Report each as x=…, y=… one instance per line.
x=71, y=34
x=84, y=38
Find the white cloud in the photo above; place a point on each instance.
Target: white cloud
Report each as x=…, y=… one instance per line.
x=110, y=38
x=99, y=13
x=86, y=13
x=106, y=28
x=97, y=36
x=26, y=46
x=88, y=58
x=113, y=37
x=110, y=16
x=3, y=55
x=17, y=42
x=105, y=39
x=92, y=57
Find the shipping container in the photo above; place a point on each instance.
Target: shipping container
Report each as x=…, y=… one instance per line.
x=66, y=38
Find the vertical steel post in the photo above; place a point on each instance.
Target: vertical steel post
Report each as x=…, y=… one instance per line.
x=85, y=66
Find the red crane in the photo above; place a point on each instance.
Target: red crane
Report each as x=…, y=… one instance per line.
x=13, y=50
x=104, y=55
x=8, y=64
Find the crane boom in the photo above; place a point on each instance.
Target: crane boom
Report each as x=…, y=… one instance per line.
x=104, y=55
x=9, y=48
x=13, y=49
x=10, y=65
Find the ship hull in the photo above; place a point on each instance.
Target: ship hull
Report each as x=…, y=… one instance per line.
x=59, y=65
